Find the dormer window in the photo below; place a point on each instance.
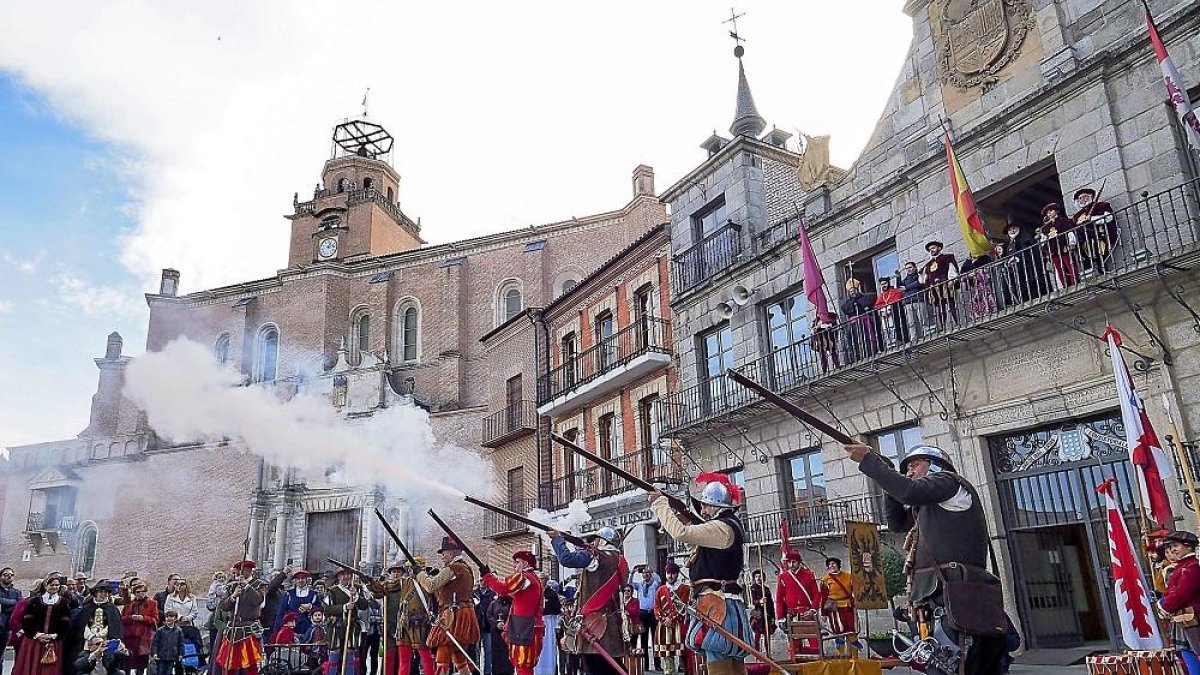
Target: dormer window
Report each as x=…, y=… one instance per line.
x=330, y=223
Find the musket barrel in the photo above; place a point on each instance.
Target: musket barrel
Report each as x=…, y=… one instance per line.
x=511, y=515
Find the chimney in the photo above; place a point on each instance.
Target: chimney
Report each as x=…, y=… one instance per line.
x=169, y=284
x=107, y=401
x=643, y=181
x=114, y=346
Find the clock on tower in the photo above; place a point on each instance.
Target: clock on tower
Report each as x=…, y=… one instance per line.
x=327, y=248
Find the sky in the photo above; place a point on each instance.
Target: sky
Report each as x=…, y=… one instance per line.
x=154, y=133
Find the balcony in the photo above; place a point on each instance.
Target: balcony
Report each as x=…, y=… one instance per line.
x=1028, y=286
x=816, y=520
x=719, y=251
x=593, y=483
x=509, y=424
x=498, y=526
x=631, y=353
x=41, y=522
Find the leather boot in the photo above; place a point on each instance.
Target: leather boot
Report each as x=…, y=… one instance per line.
x=722, y=667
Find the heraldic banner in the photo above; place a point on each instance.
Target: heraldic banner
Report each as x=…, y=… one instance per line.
x=866, y=565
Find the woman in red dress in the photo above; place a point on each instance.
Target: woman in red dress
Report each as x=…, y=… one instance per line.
x=139, y=617
x=45, y=623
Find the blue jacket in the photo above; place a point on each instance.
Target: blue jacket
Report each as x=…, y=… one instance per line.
x=8, y=600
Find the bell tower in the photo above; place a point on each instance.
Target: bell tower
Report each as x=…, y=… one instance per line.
x=355, y=210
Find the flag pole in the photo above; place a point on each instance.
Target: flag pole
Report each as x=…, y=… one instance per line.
x=1181, y=457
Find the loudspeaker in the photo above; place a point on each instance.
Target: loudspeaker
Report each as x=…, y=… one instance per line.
x=725, y=310
x=741, y=295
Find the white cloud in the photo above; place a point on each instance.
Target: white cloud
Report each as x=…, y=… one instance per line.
x=7, y=306
x=25, y=265
x=221, y=110
x=96, y=299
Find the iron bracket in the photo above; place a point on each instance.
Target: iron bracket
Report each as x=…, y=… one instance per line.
x=891, y=387
x=1143, y=362
x=761, y=455
x=1136, y=308
x=1176, y=293
x=933, y=397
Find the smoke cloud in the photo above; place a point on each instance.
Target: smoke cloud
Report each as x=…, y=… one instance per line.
x=189, y=397
x=575, y=515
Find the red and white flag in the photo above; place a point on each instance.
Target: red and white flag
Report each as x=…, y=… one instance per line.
x=1139, y=629
x=1150, y=463
x=1176, y=90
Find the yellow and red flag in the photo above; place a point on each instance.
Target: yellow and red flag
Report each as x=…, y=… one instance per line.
x=964, y=206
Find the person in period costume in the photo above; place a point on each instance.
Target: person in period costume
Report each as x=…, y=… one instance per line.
x=1096, y=228
x=45, y=622
x=824, y=341
x=96, y=616
x=1165, y=565
x=1183, y=585
x=943, y=516
x=862, y=334
x=453, y=587
x=975, y=279
x=838, y=587
x=1059, y=244
x=316, y=639
x=597, y=602
x=797, y=596
x=286, y=633
x=346, y=604
x=762, y=610
x=1024, y=272
x=670, y=627
x=939, y=272
x=631, y=630
x=139, y=617
x=716, y=566
x=300, y=600
x=524, y=630
x=240, y=651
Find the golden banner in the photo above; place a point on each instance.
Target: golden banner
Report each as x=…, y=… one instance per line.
x=866, y=565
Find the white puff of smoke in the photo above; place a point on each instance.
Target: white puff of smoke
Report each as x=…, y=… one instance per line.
x=189, y=397
x=576, y=515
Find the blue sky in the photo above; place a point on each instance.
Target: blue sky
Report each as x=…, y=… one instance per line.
x=63, y=211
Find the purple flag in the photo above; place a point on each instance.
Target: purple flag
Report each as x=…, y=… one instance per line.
x=814, y=283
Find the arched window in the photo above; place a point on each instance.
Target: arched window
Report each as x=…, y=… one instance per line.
x=391, y=195
x=367, y=183
x=221, y=348
x=362, y=332
x=568, y=285
x=266, y=355
x=343, y=184
x=408, y=331
x=359, y=339
x=508, y=301
x=85, y=549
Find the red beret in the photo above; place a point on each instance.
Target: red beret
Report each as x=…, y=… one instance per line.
x=243, y=564
x=793, y=555
x=301, y=574
x=527, y=556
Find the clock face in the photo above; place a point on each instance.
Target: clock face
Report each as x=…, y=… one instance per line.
x=327, y=248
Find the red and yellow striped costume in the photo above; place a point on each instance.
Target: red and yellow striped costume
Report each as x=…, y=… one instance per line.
x=524, y=629
x=244, y=654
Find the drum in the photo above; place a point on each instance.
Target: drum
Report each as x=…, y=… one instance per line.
x=1147, y=662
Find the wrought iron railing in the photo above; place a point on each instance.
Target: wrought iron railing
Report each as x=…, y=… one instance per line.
x=646, y=334
x=514, y=421
x=702, y=261
x=499, y=526
x=41, y=522
x=1155, y=228
x=652, y=464
x=813, y=519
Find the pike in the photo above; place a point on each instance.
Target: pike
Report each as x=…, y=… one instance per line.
x=420, y=593
x=511, y=515
x=678, y=505
x=791, y=408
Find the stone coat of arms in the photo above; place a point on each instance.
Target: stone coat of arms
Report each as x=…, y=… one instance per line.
x=979, y=38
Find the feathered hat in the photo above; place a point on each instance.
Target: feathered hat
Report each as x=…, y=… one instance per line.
x=716, y=489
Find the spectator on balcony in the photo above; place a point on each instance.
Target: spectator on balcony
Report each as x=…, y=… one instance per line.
x=976, y=280
x=940, y=272
x=824, y=341
x=1024, y=274
x=861, y=334
x=797, y=596
x=140, y=619
x=891, y=311
x=762, y=609
x=645, y=583
x=1059, y=246
x=10, y=595
x=1096, y=229
x=914, y=303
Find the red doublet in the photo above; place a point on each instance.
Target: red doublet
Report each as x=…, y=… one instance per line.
x=797, y=592
x=524, y=629
x=1183, y=587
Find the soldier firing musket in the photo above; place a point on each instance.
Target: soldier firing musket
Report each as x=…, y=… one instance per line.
x=452, y=586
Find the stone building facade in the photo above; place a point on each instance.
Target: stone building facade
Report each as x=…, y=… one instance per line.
x=366, y=315
x=1005, y=372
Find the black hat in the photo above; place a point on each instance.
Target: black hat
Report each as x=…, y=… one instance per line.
x=1051, y=205
x=1181, y=537
x=1011, y=224
x=834, y=560
x=450, y=544
x=1084, y=191
x=101, y=586
x=933, y=243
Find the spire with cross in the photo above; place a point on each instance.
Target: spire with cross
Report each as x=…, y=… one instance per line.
x=746, y=120
x=738, y=49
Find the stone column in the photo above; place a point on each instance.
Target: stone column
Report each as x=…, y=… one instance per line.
x=370, y=529
x=282, y=512
x=257, y=515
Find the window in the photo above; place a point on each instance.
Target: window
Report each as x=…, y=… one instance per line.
x=869, y=267
x=266, y=355
x=508, y=301
x=52, y=508
x=568, y=350
x=710, y=218
x=362, y=332
x=648, y=431
x=330, y=223
x=343, y=184
x=408, y=331
x=391, y=194
x=643, y=311
x=515, y=480
x=575, y=461
x=568, y=285
x=512, y=401
x=606, y=427
x=606, y=352
x=895, y=443
x=221, y=349
x=738, y=475
x=806, y=477
x=716, y=349
x=85, y=549
x=367, y=183
x=512, y=303
x=788, y=331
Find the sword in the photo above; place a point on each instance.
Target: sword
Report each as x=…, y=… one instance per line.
x=587, y=635
x=713, y=625
x=436, y=618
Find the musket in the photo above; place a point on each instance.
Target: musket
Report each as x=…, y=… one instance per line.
x=570, y=538
x=679, y=506
x=716, y=626
x=470, y=554
x=791, y=408
x=437, y=619
x=351, y=569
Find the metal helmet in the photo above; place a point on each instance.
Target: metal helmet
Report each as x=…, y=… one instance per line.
x=936, y=456
x=609, y=534
x=716, y=489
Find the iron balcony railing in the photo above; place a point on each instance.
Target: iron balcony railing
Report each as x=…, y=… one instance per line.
x=813, y=519
x=500, y=526
x=41, y=522
x=646, y=334
x=509, y=424
x=656, y=465
x=1154, y=229
x=718, y=251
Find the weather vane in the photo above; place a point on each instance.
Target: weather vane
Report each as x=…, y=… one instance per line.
x=738, y=50
x=366, y=95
